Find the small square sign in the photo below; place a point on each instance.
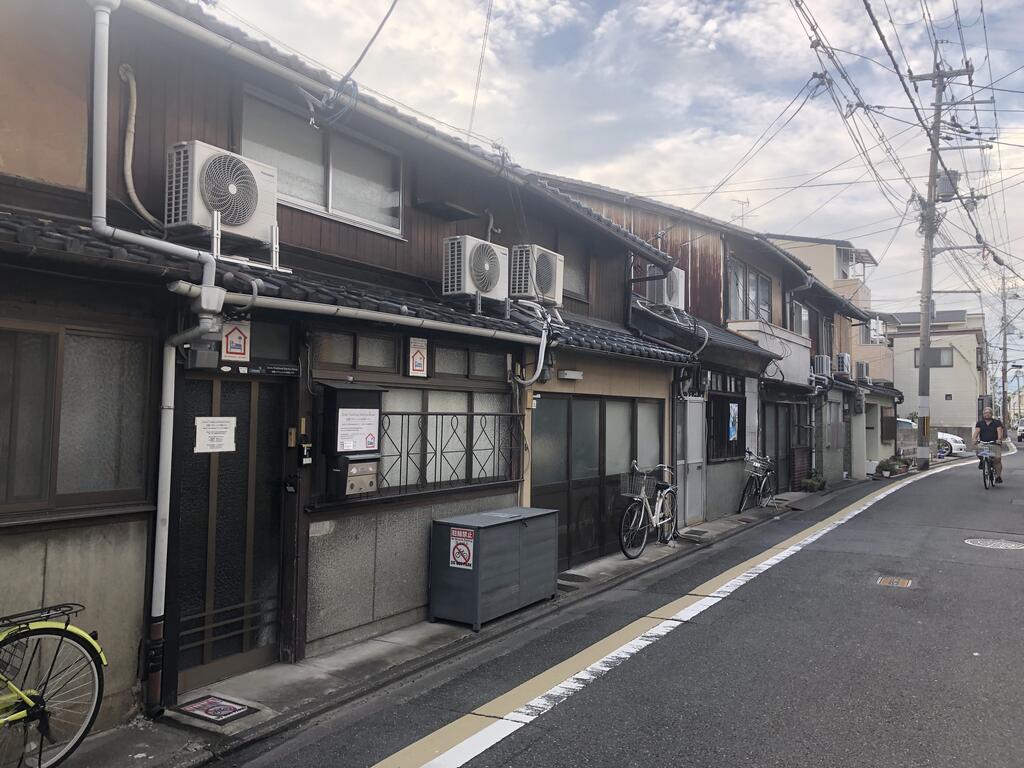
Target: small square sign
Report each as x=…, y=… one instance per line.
x=460, y=548
x=418, y=357
x=235, y=341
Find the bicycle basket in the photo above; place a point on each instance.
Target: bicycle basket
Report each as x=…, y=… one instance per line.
x=12, y=656
x=634, y=485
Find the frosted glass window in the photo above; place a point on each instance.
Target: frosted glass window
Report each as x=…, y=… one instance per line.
x=288, y=142
x=648, y=434
x=334, y=348
x=26, y=391
x=489, y=365
x=492, y=439
x=401, y=439
x=376, y=352
x=366, y=182
x=447, y=436
x=550, y=434
x=576, y=274
x=450, y=361
x=618, y=429
x=102, y=443
x=586, y=416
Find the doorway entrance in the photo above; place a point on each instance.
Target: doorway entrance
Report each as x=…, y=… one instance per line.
x=778, y=441
x=229, y=531
x=580, y=446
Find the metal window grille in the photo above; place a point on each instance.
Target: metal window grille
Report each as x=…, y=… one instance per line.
x=424, y=451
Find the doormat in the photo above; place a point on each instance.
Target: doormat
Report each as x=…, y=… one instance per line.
x=216, y=710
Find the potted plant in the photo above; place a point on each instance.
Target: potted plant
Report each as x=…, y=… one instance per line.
x=885, y=468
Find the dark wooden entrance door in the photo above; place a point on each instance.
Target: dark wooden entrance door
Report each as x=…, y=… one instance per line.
x=229, y=531
x=778, y=438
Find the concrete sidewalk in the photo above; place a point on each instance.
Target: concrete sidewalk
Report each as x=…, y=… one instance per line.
x=286, y=695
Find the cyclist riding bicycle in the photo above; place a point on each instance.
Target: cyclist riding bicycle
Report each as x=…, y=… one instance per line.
x=990, y=430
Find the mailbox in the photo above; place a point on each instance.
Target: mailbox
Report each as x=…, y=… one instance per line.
x=351, y=439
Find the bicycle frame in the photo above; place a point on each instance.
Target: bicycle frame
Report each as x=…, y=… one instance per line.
x=14, y=694
x=654, y=518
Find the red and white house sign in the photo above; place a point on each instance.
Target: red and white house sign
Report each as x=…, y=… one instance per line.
x=460, y=548
x=235, y=340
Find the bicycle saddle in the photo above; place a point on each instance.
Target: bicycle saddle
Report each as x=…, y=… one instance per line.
x=660, y=486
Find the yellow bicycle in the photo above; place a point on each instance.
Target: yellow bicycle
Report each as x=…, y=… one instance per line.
x=51, y=686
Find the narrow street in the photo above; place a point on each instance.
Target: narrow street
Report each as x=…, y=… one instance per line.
x=811, y=663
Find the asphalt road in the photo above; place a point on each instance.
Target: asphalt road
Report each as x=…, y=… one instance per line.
x=812, y=663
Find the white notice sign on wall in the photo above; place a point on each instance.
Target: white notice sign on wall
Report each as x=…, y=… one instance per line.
x=215, y=434
x=357, y=429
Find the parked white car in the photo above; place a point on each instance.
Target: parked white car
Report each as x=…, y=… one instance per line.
x=956, y=443
x=1020, y=431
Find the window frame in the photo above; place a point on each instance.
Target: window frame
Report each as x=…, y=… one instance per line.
x=724, y=389
x=749, y=312
x=327, y=211
x=940, y=350
x=56, y=506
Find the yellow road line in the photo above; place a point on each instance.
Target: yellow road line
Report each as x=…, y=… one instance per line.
x=437, y=748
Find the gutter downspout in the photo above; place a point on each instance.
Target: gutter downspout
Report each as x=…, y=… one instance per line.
x=207, y=305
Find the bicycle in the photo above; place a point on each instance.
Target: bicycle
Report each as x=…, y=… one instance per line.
x=640, y=517
x=761, y=484
x=988, y=469
x=51, y=686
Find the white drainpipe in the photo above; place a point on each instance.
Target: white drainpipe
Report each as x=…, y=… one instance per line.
x=207, y=305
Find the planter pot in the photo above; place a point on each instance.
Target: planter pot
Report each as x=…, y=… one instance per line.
x=886, y=473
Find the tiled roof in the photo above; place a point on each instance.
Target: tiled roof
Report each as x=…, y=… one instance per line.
x=717, y=336
x=199, y=15
x=74, y=241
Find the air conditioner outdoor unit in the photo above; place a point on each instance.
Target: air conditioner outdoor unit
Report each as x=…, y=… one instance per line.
x=671, y=291
x=822, y=365
x=473, y=266
x=843, y=363
x=863, y=371
x=202, y=179
x=536, y=274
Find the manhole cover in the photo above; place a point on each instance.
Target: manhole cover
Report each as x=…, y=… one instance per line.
x=995, y=543
x=216, y=710
x=894, y=581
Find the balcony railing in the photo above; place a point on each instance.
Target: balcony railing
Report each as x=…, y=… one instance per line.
x=793, y=348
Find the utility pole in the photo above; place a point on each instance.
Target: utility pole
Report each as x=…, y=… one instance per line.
x=1003, y=402
x=930, y=225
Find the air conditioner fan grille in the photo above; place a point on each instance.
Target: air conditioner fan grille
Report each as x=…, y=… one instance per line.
x=228, y=186
x=484, y=267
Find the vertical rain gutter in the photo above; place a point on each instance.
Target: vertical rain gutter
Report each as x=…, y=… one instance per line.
x=207, y=306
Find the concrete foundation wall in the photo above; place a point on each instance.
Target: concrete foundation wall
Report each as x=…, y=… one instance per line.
x=101, y=566
x=368, y=571
x=725, y=481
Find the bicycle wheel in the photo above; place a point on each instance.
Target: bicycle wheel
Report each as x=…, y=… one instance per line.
x=633, y=531
x=63, y=675
x=990, y=470
x=749, y=494
x=767, y=490
x=668, y=517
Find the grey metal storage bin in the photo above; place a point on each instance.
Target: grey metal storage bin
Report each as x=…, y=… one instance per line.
x=487, y=564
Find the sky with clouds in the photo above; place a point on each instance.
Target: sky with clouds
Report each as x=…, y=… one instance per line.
x=664, y=96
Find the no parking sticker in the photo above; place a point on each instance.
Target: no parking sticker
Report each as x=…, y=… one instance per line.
x=460, y=548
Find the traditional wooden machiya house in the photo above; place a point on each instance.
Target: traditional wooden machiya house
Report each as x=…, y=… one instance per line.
x=257, y=331
x=759, y=324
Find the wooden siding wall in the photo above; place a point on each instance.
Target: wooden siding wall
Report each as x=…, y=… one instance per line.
x=693, y=247
x=188, y=91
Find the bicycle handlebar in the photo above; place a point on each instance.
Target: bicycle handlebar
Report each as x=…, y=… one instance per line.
x=635, y=467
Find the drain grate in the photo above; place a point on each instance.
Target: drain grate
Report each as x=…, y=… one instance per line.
x=894, y=581
x=995, y=543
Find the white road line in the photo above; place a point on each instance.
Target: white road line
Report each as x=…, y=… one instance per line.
x=505, y=726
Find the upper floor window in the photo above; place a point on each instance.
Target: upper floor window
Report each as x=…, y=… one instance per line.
x=576, y=264
x=337, y=174
x=941, y=357
x=845, y=260
x=826, y=346
x=799, y=319
x=749, y=293
x=873, y=332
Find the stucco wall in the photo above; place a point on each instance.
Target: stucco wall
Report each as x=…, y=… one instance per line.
x=101, y=566
x=962, y=381
x=368, y=571
x=46, y=58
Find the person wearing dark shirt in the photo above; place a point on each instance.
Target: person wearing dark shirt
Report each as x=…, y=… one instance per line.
x=990, y=430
